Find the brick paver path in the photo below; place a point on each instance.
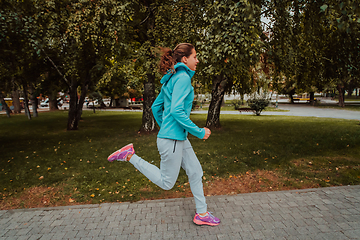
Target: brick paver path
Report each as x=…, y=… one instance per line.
x=323, y=213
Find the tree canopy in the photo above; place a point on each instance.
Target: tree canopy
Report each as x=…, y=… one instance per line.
x=48, y=46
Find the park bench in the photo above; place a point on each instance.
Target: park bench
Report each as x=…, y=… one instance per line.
x=135, y=106
x=303, y=99
x=245, y=110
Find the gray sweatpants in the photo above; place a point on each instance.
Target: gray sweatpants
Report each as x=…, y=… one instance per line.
x=175, y=154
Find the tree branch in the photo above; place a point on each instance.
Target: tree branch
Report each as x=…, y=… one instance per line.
x=55, y=66
x=147, y=17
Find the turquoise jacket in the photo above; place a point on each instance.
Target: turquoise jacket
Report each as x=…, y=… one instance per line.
x=172, y=107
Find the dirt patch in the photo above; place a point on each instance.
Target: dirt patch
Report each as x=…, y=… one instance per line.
x=258, y=181
x=36, y=197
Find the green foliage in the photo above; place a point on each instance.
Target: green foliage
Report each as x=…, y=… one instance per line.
x=236, y=103
x=113, y=46
x=20, y=63
x=232, y=39
x=258, y=104
x=314, y=45
x=342, y=14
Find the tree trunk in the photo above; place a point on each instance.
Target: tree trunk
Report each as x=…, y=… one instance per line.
x=53, y=104
x=16, y=101
x=312, y=98
x=148, y=121
x=291, y=98
x=72, y=121
x=7, y=109
x=241, y=100
x=350, y=91
x=217, y=96
x=34, y=102
x=341, y=95
x=75, y=104
x=351, y=87
x=26, y=102
x=291, y=94
x=93, y=105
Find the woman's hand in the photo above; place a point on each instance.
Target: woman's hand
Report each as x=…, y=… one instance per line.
x=207, y=133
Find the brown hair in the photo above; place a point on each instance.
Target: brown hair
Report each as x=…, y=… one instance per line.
x=171, y=57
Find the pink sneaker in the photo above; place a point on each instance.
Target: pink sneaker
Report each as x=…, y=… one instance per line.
x=121, y=155
x=209, y=219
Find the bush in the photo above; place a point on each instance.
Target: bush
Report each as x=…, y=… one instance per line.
x=237, y=104
x=258, y=104
x=195, y=104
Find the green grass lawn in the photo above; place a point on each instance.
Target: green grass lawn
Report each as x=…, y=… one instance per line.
x=40, y=153
x=230, y=107
x=352, y=98
x=347, y=107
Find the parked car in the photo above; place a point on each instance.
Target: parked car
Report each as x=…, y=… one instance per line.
x=45, y=103
x=92, y=104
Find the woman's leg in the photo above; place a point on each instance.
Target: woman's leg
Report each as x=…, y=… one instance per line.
x=192, y=166
x=170, y=164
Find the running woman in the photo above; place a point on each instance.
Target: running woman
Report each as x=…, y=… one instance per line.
x=171, y=110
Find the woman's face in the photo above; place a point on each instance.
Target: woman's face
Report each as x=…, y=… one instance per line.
x=191, y=61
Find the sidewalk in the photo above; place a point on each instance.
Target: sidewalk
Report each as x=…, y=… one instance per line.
x=297, y=109
x=300, y=110
x=323, y=213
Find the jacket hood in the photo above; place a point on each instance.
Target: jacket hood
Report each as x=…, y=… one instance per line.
x=179, y=66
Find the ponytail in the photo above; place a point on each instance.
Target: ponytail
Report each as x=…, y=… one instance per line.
x=171, y=57
x=166, y=61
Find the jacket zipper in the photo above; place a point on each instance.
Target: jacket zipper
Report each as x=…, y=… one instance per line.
x=174, y=146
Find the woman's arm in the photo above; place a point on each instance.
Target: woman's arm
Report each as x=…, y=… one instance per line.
x=158, y=108
x=182, y=89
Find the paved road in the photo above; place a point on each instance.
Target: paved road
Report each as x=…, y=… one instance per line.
x=311, y=111
x=298, y=109
x=323, y=213
x=302, y=110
